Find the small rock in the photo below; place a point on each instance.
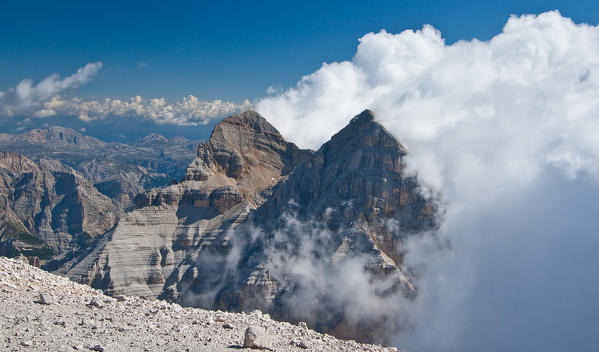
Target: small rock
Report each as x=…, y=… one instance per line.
x=120, y=298
x=34, y=261
x=302, y=344
x=256, y=337
x=26, y=343
x=227, y=326
x=90, y=323
x=95, y=302
x=44, y=298
x=303, y=325
x=97, y=348
x=77, y=347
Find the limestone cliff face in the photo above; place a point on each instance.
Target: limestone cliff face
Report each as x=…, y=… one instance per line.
x=176, y=228
x=247, y=149
x=214, y=239
x=48, y=205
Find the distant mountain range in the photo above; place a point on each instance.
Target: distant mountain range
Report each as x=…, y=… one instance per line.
x=110, y=129
x=242, y=221
x=118, y=170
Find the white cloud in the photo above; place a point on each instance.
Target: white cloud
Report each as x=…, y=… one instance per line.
x=46, y=99
x=506, y=128
x=27, y=96
x=188, y=111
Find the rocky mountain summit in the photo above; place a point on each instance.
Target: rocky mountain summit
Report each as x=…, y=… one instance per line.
x=231, y=176
x=43, y=312
x=52, y=138
x=257, y=223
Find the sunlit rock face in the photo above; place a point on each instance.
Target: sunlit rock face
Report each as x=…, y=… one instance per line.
x=156, y=247
x=251, y=206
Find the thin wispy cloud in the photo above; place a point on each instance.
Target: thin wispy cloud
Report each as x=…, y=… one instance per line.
x=27, y=96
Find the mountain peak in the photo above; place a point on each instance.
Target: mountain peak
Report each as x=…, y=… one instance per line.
x=152, y=138
x=247, y=120
x=247, y=148
x=363, y=131
x=16, y=162
x=364, y=116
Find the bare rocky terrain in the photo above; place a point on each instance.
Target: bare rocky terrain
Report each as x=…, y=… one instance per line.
x=118, y=170
x=40, y=311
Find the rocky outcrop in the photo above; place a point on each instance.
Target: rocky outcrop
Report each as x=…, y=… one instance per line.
x=251, y=206
x=49, y=207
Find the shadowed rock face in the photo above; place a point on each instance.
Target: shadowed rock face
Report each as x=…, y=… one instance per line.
x=212, y=239
x=355, y=190
x=48, y=209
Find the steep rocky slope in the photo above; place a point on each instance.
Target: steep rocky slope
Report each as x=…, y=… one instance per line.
x=349, y=203
x=253, y=209
x=231, y=175
x=43, y=312
x=48, y=209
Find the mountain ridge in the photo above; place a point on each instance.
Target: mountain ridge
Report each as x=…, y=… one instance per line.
x=211, y=239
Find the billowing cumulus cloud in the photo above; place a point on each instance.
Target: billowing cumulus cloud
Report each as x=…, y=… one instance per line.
x=508, y=129
x=47, y=98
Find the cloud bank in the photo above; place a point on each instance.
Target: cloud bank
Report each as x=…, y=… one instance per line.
x=508, y=130
x=47, y=98
x=186, y=112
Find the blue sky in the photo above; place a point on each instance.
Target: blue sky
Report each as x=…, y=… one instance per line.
x=223, y=50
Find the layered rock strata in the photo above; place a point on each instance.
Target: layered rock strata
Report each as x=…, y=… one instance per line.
x=252, y=207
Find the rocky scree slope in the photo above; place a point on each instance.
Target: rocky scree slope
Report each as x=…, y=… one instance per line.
x=229, y=235
x=43, y=312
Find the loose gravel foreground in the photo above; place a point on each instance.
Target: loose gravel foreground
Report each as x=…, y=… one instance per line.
x=40, y=311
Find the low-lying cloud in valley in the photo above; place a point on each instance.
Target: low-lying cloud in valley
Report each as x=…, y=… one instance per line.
x=508, y=130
